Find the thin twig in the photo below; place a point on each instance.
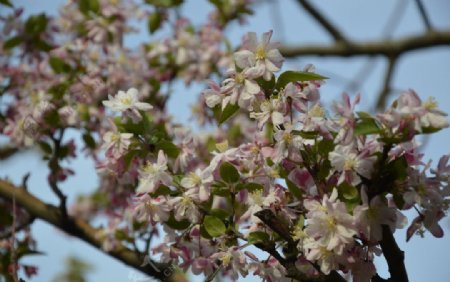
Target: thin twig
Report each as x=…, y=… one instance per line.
x=323, y=21
x=386, y=89
x=424, y=15
x=13, y=242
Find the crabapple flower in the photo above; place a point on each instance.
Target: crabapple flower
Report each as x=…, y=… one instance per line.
x=201, y=180
x=233, y=261
x=151, y=209
x=153, y=174
x=351, y=164
x=116, y=143
x=240, y=87
x=330, y=223
x=186, y=206
x=269, y=110
x=264, y=55
x=317, y=252
x=370, y=217
x=127, y=103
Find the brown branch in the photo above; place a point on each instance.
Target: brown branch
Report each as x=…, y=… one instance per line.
x=394, y=256
x=7, y=151
x=386, y=89
x=81, y=230
x=322, y=20
x=270, y=219
x=389, y=48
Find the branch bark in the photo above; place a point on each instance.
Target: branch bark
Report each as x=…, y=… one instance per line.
x=82, y=230
x=394, y=256
x=390, y=48
x=322, y=20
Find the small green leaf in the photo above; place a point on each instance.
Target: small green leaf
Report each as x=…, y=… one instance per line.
x=229, y=173
x=364, y=115
x=45, y=147
x=220, y=213
x=228, y=112
x=214, y=226
x=154, y=22
x=257, y=236
x=161, y=190
x=6, y=3
x=59, y=66
x=294, y=189
x=251, y=187
x=36, y=24
x=165, y=3
x=347, y=191
x=220, y=189
x=295, y=76
x=87, y=6
x=367, y=126
x=305, y=134
x=89, y=141
x=177, y=225
x=169, y=148
x=12, y=42
x=267, y=86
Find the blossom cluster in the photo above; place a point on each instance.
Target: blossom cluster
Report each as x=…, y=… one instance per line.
x=334, y=181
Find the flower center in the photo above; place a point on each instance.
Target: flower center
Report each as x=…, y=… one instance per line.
x=430, y=104
x=239, y=78
x=317, y=111
x=349, y=164
x=260, y=53
x=226, y=258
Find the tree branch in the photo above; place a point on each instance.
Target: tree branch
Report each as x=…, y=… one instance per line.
x=390, y=48
x=394, y=256
x=424, y=15
x=81, y=230
x=386, y=90
x=330, y=28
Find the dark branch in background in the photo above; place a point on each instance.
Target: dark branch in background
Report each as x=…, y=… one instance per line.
x=81, y=230
x=279, y=227
x=7, y=151
x=386, y=89
x=54, y=167
x=389, y=27
x=323, y=21
x=424, y=15
x=373, y=48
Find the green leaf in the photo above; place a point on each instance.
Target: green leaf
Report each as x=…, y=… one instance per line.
x=89, y=141
x=267, y=86
x=228, y=112
x=305, y=134
x=229, y=173
x=165, y=3
x=257, y=236
x=6, y=3
x=161, y=190
x=59, y=66
x=214, y=226
x=220, y=213
x=367, y=126
x=364, y=115
x=177, y=225
x=347, y=191
x=294, y=76
x=12, y=42
x=325, y=146
x=251, y=187
x=220, y=189
x=87, y=6
x=294, y=189
x=154, y=22
x=169, y=148
x=36, y=24
x=430, y=130
x=45, y=147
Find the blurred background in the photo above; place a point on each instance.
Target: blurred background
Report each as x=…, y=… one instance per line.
x=427, y=71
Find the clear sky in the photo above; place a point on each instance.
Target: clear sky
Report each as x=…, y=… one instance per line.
x=427, y=72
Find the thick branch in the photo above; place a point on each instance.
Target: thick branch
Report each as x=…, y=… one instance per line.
x=394, y=256
x=81, y=230
x=332, y=30
x=390, y=48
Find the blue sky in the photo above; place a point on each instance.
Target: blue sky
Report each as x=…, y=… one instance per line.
x=425, y=71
